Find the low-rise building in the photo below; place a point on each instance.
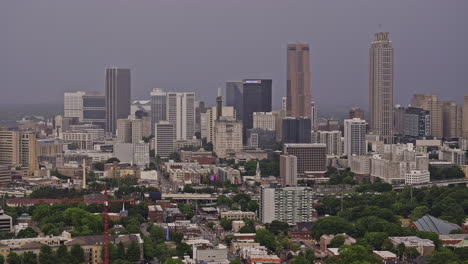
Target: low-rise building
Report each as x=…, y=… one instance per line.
x=423, y=246
x=417, y=177
x=237, y=215
x=386, y=257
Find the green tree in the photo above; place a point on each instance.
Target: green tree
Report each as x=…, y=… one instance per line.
x=337, y=241
x=46, y=256
x=419, y=212
x=2, y=259
x=111, y=160
x=99, y=166
x=266, y=238
x=442, y=256
x=309, y=255
x=77, y=254
x=161, y=252
x=28, y=232
x=331, y=225
x=120, y=251
x=61, y=255
x=175, y=156
x=277, y=227
x=177, y=237
x=300, y=260
x=29, y=258
x=226, y=224
x=183, y=249
x=356, y=254
x=148, y=248
x=431, y=236
x=235, y=261
x=133, y=252
x=376, y=239
x=173, y=261
x=13, y=258
x=157, y=233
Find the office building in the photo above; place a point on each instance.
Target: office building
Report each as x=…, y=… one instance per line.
x=416, y=122
x=417, y=177
x=328, y=125
x=256, y=98
x=284, y=105
x=18, y=149
x=227, y=137
x=261, y=138
x=94, y=109
x=332, y=139
x=73, y=104
x=210, y=115
x=117, y=96
x=381, y=87
x=5, y=174
x=234, y=97
x=452, y=120
x=181, y=113
x=288, y=170
x=314, y=115
x=431, y=103
x=264, y=120
x=398, y=119
x=465, y=117
x=296, y=130
x=355, y=137
x=199, y=110
x=287, y=204
x=455, y=156
x=164, y=139
x=311, y=158
x=158, y=107
x=129, y=130
x=298, y=81
x=6, y=223
x=356, y=112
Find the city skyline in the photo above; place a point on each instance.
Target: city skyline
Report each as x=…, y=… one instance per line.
x=442, y=32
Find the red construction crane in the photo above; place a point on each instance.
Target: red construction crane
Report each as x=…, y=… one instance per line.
x=105, y=202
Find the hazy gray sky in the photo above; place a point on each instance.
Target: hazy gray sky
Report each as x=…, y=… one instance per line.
x=48, y=47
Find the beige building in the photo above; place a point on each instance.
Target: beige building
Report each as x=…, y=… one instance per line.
x=228, y=137
x=288, y=170
x=18, y=149
x=264, y=120
x=452, y=119
x=465, y=117
x=237, y=215
x=381, y=87
x=227, y=111
x=129, y=130
x=298, y=93
x=434, y=105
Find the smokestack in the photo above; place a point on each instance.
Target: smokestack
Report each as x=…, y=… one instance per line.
x=219, y=105
x=84, y=174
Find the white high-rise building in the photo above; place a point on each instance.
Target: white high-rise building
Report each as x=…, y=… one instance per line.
x=288, y=170
x=181, y=113
x=73, y=104
x=264, y=120
x=227, y=137
x=288, y=204
x=226, y=111
x=381, y=87
x=333, y=141
x=355, y=137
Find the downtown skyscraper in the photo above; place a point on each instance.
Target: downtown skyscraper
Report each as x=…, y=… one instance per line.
x=298, y=81
x=256, y=98
x=117, y=96
x=381, y=87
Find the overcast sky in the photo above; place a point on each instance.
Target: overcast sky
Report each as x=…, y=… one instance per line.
x=48, y=47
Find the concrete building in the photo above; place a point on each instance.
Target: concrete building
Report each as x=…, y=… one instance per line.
x=18, y=149
x=6, y=222
x=398, y=119
x=158, y=107
x=94, y=109
x=288, y=170
x=287, y=204
x=298, y=81
x=181, y=113
x=416, y=122
x=117, y=96
x=455, y=156
x=210, y=115
x=423, y=246
x=228, y=137
x=164, y=138
x=355, y=137
x=129, y=130
x=261, y=138
x=417, y=177
x=73, y=104
x=431, y=103
x=234, y=97
x=332, y=139
x=311, y=158
x=264, y=120
x=140, y=106
x=356, y=112
x=314, y=114
x=256, y=98
x=465, y=117
x=452, y=120
x=238, y=215
x=5, y=175
x=381, y=87
x=296, y=130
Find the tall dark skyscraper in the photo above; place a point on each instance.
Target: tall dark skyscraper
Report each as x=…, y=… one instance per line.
x=296, y=130
x=158, y=107
x=234, y=97
x=256, y=98
x=117, y=96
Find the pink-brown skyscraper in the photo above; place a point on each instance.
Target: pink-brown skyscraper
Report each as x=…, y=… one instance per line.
x=298, y=83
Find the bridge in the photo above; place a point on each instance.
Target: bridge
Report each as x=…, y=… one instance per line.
x=190, y=196
x=450, y=182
